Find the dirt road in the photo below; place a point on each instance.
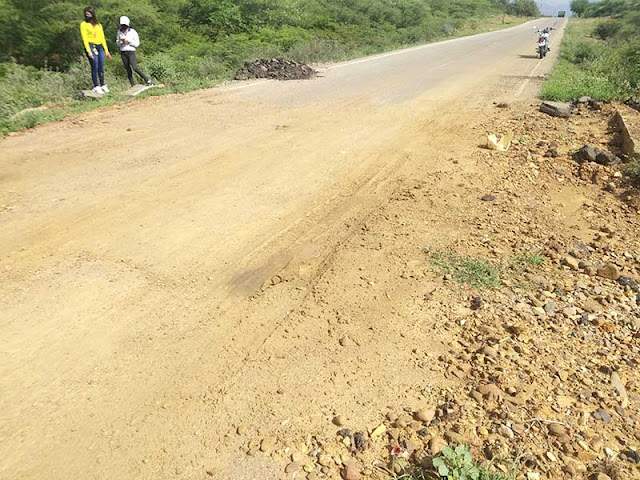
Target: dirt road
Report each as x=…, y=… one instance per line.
x=151, y=255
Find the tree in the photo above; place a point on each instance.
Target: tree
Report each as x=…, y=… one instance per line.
x=525, y=8
x=579, y=7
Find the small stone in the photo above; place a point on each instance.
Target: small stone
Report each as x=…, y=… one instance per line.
x=454, y=437
x=539, y=311
x=298, y=457
x=490, y=390
x=425, y=415
x=550, y=307
x=292, y=468
x=599, y=476
x=339, y=420
x=437, y=444
x=506, y=432
x=557, y=109
x=241, y=430
x=564, y=439
x=604, y=415
x=346, y=341
x=591, y=306
x=489, y=351
x=351, y=471
x=609, y=271
x=268, y=444
x=403, y=421
x=556, y=430
x=571, y=262
x=378, y=432
x=488, y=198
x=476, y=303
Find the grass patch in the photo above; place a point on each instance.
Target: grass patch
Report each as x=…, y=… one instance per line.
x=478, y=273
x=633, y=169
x=455, y=463
x=523, y=260
x=592, y=63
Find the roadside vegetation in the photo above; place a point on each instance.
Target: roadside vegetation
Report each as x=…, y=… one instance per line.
x=600, y=54
x=453, y=463
x=191, y=44
x=475, y=272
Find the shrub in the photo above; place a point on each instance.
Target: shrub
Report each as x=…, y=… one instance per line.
x=161, y=66
x=608, y=29
x=633, y=169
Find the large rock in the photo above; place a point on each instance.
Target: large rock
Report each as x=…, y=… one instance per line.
x=557, y=109
x=586, y=154
x=628, y=134
x=607, y=158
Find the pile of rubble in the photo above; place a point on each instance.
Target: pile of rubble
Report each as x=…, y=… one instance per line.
x=276, y=69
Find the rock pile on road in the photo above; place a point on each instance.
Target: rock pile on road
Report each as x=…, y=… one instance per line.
x=276, y=69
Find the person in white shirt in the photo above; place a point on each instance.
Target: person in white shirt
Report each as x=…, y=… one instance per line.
x=128, y=41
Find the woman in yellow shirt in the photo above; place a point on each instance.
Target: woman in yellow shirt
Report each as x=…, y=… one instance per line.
x=95, y=46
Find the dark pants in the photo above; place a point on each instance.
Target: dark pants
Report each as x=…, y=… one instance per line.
x=131, y=65
x=97, y=64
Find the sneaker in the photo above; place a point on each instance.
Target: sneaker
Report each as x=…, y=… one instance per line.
x=98, y=90
x=105, y=89
x=150, y=83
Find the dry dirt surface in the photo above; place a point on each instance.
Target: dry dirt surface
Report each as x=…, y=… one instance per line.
x=197, y=286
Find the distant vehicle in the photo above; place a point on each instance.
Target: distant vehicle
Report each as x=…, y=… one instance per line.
x=562, y=14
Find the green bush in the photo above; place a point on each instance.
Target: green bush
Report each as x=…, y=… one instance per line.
x=602, y=69
x=608, y=29
x=161, y=66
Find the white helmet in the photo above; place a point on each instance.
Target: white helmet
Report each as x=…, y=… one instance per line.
x=125, y=21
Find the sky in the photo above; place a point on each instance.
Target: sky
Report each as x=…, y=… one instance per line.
x=551, y=7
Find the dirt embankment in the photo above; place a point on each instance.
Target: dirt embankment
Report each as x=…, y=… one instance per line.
x=540, y=373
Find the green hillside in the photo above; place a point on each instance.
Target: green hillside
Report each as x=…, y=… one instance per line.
x=190, y=44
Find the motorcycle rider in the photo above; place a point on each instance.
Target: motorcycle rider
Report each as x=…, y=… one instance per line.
x=546, y=33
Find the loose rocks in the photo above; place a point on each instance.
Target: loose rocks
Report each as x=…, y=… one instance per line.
x=293, y=468
x=557, y=109
x=277, y=69
x=425, y=415
x=586, y=154
x=609, y=271
x=339, y=420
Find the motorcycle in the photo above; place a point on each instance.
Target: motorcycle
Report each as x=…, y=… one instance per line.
x=543, y=46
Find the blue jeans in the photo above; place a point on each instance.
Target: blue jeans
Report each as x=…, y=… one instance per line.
x=97, y=64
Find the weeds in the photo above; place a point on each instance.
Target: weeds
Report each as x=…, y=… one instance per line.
x=477, y=273
x=633, y=169
x=455, y=463
x=593, y=63
x=524, y=260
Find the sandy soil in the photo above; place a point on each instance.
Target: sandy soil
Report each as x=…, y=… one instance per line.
x=176, y=268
